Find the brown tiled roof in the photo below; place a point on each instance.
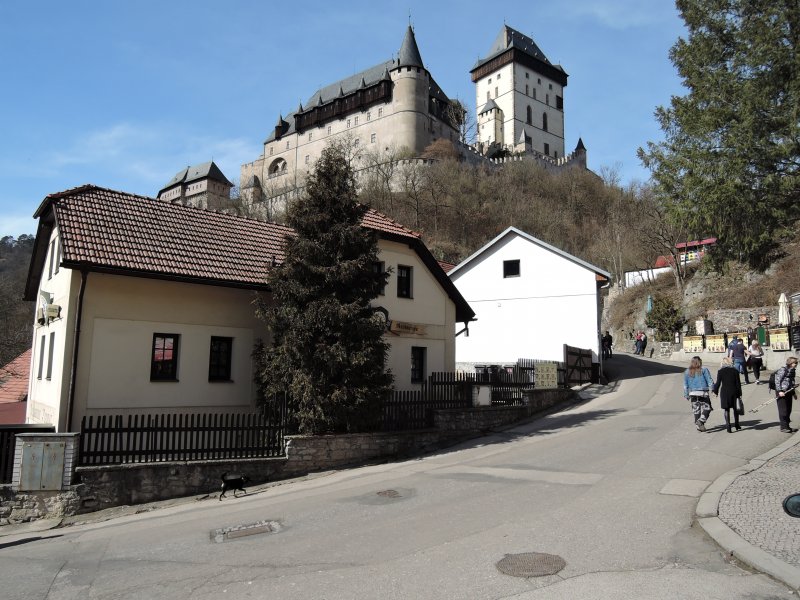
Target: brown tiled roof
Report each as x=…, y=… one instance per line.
x=14, y=379
x=446, y=266
x=104, y=229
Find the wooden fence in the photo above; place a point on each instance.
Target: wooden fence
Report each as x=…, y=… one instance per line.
x=405, y=410
x=116, y=439
x=578, y=364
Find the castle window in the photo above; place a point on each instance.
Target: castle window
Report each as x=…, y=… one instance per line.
x=310, y=134
x=527, y=75
x=287, y=144
x=348, y=123
x=539, y=80
x=372, y=138
x=559, y=103
x=498, y=75
x=529, y=116
x=555, y=153
x=355, y=121
x=544, y=122
x=329, y=129
x=550, y=86
x=495, y=92
x=490, y=80
x=308, y=158
x=369, y=115
x=356, y=142
x=271, y=149
x=547, y=149
x=380, y=112
x=534, y=93
x=547, y=99
x=526, y=90
x=488, y=95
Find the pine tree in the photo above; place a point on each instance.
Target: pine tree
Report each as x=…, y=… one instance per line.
x=328, y=350
x=730, y=160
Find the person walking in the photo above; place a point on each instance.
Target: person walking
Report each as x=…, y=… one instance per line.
x=697, y=382
x=737, y=353
x=731, y=387
x=785, y=392
x=644, y=343
x=607, y=340
x=638, y=343
x=755, y=356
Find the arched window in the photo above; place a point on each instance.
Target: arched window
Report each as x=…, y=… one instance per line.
x=529, y=120
x=544, y=121
x=277, y=167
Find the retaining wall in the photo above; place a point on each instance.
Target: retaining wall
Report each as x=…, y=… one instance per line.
x=100, y=487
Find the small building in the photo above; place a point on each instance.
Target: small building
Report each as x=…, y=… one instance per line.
x=145, y=306
x=530, y=298
x=203, y=186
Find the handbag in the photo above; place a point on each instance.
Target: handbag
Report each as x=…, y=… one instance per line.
x=739, y=407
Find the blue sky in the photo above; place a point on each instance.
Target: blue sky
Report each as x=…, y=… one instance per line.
x=125, y=94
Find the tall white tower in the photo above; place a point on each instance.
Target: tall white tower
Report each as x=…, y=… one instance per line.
x=520, y=96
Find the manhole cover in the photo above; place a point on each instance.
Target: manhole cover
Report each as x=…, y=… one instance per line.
x=238, y=531
x=389, y=493
x=531, y=564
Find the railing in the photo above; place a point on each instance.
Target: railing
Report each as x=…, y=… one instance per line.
x=117, y=439
x=8, y=440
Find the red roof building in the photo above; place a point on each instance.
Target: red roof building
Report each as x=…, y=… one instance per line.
x=14, y=389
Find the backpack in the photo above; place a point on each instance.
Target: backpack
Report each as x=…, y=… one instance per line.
x=775, y=378
x=771, y=384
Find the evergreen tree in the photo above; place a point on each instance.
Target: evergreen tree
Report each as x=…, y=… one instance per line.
x=731, y=152
x=328, y=350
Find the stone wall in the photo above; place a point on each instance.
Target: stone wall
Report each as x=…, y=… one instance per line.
x=741, y=319
x=115, y=485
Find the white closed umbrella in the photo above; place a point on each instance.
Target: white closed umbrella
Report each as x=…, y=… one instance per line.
x=783, y=311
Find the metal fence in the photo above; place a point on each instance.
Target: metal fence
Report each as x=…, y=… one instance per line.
x=116, y=439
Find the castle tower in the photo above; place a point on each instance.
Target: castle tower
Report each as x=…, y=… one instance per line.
x=528, y=91
x=411, y=83
x=490, y=123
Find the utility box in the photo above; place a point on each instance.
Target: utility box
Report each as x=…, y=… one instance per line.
x=44, y=462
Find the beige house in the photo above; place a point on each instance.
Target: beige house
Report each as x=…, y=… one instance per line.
x=391, y=106
x=145, y=306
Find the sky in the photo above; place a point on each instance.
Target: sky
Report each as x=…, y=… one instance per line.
x=126, y=94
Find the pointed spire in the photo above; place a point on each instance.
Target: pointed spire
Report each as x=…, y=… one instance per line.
x=341, y=91
x=280, y=121
x=409, y=52
x=319, y=100
x=522, y=136
x=386, y=75
x=300, y=107
x=580, y=146
x=363, y=84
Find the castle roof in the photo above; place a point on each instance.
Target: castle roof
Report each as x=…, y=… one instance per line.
x=206, y=170
x=408, y=56
x=491, y=104
x=510, y=38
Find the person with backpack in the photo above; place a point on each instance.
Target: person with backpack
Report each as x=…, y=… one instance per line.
x=697, y=383
x=785, y=392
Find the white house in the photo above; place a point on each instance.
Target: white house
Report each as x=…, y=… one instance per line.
x=530, y=299
x=146, y=306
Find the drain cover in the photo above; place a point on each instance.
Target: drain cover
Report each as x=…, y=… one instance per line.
x=231, y=533
x=531, y=564
x=389, y=493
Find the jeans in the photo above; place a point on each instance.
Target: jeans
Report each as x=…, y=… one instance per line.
x=742, y=368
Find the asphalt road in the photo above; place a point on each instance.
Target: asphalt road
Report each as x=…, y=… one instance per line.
x=609, y=486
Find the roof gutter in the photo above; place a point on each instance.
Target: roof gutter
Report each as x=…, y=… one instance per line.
x=76, y=342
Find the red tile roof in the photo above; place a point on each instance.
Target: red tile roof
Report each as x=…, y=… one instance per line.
x=107, y=229
x=446, y=266
x=14, y=379
x=13, y=414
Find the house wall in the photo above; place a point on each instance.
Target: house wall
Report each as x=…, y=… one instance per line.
x=553, y=302
x=431, y=308
x=45, y=393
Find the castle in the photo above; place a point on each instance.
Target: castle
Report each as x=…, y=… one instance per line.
x=396, y=108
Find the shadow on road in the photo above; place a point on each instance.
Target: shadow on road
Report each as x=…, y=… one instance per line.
x=623, y=366
x=27, y=540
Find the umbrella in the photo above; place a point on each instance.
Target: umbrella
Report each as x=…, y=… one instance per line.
x=783, y=310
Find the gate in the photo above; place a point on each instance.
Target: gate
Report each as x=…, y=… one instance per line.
x=578, y=365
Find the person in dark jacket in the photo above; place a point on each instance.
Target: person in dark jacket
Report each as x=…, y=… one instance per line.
x=785, y=392
x=731, y=388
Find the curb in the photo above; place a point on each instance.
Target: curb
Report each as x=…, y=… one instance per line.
x=707, y=515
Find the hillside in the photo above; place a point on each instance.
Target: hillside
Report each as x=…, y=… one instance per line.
x=16, y=315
